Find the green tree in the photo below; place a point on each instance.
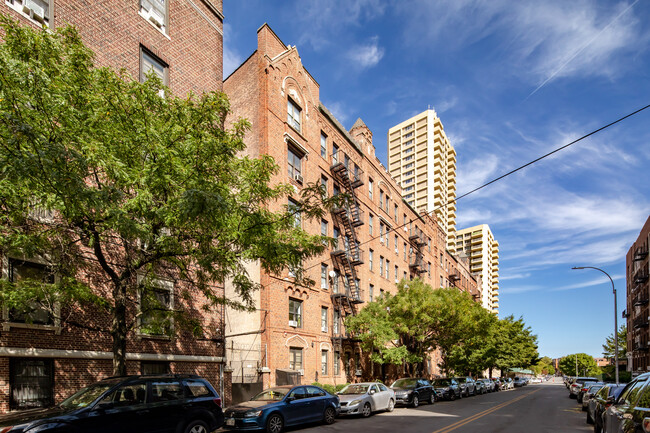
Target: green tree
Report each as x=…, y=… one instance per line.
x=586, y=365
x=544, y=366
x=610, y=344
x=516, y=345
x=134, y=185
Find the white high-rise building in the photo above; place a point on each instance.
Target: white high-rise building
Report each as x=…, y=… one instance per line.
x=423, y=161
x=479, y=245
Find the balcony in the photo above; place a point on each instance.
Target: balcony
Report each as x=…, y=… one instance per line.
x=641, y=301
x=640, y=253
x=416, y=264
x=641, y=322
x=641, y=277
x=416, y=236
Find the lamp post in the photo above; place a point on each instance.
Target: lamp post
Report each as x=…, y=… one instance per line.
x=615, y=316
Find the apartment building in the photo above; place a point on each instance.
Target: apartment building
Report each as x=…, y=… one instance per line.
x=423, y=162
x=479, y=246
x=637, y=269
x=298, y=331
x=43, y=361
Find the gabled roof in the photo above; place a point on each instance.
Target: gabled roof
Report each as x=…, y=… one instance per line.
x=358, y=123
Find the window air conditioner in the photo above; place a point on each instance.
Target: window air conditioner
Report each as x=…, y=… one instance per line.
x=302, y=372
x=34, y=10
x=293, y=323
x=156, y=18
x=298, y=178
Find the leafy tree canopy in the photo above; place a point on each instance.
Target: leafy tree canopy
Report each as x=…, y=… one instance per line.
x=586, y=365
x=610, y=344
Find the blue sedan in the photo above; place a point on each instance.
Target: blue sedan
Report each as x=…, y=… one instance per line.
x=283, y=406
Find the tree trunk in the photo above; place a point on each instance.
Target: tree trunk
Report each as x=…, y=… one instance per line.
x=118, y=331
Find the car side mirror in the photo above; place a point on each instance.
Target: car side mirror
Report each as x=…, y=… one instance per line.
x=105, y=406
x=372, y=391
x=289, y=399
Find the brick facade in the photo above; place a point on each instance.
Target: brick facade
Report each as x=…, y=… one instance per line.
x=262, y=89
x=190, y=45
x=637, y=265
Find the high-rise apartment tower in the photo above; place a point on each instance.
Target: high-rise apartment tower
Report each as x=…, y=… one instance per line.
x=423, y=161
x=479, y=245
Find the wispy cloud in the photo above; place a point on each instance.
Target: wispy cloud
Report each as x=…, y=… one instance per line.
x=366, y=55
x=339, y=110
x=231, y=58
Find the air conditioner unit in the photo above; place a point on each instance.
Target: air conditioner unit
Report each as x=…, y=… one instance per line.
x=34, y=10
x=357, y=372
x=156, y=18
x=293, y=323
x=302, y=372
x=298, y=178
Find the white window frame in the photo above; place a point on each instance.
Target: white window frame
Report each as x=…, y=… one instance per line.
x=324, y=321
x=296, y=314
x=155, y=15
x=294, y=115
x=28, y=9
x=324, y=355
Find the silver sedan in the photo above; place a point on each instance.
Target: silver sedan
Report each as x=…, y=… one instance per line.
x=365, y=398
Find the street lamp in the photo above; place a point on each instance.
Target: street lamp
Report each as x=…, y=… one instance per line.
x=615, y=316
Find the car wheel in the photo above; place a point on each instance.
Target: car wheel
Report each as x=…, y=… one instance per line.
x=197, y=426
x=590, y=420
x=274, y=424
x=416, y=401
x=330, y=415
x=391, y=405
x=366, y=411
x=452, y=396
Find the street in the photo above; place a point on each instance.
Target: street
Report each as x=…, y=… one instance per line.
x=538, y=408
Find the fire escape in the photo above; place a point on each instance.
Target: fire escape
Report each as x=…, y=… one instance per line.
x=347, y=254
x=639, y=295
x=416, y=257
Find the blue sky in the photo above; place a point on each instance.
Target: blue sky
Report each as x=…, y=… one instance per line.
x=511, y=81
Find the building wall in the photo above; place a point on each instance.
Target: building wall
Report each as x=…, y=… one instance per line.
x=637, y=268
x=261, y=88
x=191, y=45
x=423, y=161
x=478, y=244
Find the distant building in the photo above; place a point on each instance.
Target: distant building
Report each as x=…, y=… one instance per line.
x=638, y=291
x=478, y=244
x=423, y=162
x=602, y=362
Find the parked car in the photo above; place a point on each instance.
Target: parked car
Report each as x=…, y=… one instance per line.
x=597, y=406
x=412, y=390
x=583, y=390
x=507, y=383
x=489, y=385
x=519, y=382
x=577, y=383
x=630, y=413
x=589, y=392
x=536, y=380
x=467, y=386
x=129, y=404
x=447, y=388
x=365, y=398
x=276, y=408
x=497, y=383
x=480, y=387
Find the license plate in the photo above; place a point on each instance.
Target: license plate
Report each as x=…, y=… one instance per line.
x=230, y=421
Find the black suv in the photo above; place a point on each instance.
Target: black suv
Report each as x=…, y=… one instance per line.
x=160, y=404
x=412, y=390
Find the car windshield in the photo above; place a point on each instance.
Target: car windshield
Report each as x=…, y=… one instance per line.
x=404, y=383
x=442, y=382
x=461, y=380
x=85, y=396
x=354, y=389
x=272, y=394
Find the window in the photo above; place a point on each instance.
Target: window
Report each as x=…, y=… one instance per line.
x=295, y=313
x=337, y=362
x=133, y=394
x=409, y=165
x=409, y=173
x=197, y=388
x=154, y=367
x=371, y=224
x=404, y=245
x=429, y=269
x=323, y=276
x=323, y=145
x=408, y=158
x=381, y=266
x=381, y=199
x=407, y=128
x=323, y=228
x=37, y=10
x=408, y=180
x=294, y=209
x=156, y=303
x=335, y=282
x=36, y=313
x=357, y=361
x=295, y=358
x=152, y=64
x=370, y=188
x=337, y=190
x=323, y=319
x=396, y=245
x=387, y=237
x=395, y=217
x=371, y=292
x=371, y=259
x=335, y=154
x=381, y=293
x=336, y=321
x=410, y=134
x=388, y=269
x=396, y=274
x=381, y=232
x=293, y=115
x=31, y=383
x=155, y=11
x=323, y=184
x=294, y=164
x=409, y=150
x=323, y=362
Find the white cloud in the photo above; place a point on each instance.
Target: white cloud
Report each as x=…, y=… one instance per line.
x=476, y=172
x=339, y=110
x=366, y=55
x=231, y=58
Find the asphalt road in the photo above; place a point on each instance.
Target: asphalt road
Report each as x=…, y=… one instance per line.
x=538, y=408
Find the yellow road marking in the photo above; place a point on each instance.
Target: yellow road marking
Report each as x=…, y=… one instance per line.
x=474, y=417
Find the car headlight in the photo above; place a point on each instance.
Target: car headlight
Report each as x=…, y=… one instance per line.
x=253, y=414
x=354, y=402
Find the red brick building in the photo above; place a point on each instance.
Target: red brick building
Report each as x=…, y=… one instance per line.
x=382, y=240
x=637, y=269
x=44, y=361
